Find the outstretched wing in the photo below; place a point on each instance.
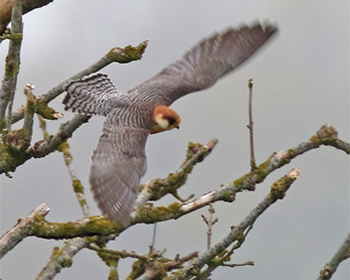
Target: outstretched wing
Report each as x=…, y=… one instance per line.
x=91, y=95
x=118, y=163
x=208, y=61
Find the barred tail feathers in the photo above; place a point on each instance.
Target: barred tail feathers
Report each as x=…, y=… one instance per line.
x=90, y=95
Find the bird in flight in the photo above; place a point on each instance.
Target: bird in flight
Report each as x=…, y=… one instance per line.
x=119, y=160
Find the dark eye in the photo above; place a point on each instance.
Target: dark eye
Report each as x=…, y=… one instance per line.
x=171, y=121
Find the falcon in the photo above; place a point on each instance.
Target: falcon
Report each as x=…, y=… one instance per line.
x=119, y=160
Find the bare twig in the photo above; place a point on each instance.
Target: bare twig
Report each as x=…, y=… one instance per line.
x=42, y=125
x=149, y=265
x=278, y=190
x=251, y=263
x=210, y=222
x=9, y=82
x=123, y=254
x=342, y=254
x=77, y=185
x=250, y=126
x=11, y=238
x=151, y=248
x=28, y=114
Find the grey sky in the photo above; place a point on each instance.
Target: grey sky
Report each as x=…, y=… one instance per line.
x=301, y=81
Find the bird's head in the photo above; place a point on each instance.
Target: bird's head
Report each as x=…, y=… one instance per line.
x=165, y=119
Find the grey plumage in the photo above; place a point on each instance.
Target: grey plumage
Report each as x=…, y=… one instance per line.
x=119, y=160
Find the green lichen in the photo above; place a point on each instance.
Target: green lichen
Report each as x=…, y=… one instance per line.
x=66, y=261
x=13, y=148
x=42, y=109
x=2, y=125
x=279, y=188
x=160, y=187
x=109, y=258
x=30, y=107
x=138, y=268
x=96, y=225
x=159, y=213
x=262, y=170
x=314, y=139
x=63, y=260
x=240, y=181
x=216, y=261
x=292, y=154
x=228, y=196
x=11, y=68
x=113, y=274
x=277, y=191
x=176, y=179
x=82, y=202
x=239, y=236
x=134, y=53
x=102, y=225
x=16, y=37
x=155, y=189
x=64, y=147
x=129, y=53
x=77, y=186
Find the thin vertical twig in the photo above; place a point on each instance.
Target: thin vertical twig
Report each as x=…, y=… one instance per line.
x=210, y=222
x=151, y=249
x=250, y=126
x=77, y=185
x=7, y=91
x=28, y=114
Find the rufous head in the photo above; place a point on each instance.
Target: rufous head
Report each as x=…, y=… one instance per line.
x=165, y=119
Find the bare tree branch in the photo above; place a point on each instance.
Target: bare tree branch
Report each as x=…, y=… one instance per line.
x=9, y=82
x=61, y=258
x=250, y=125
x=342, y=254
x=11, y=238
x=275, y=161
x=278, y=190
x=148, y=214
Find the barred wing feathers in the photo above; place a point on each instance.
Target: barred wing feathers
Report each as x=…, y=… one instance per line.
x=208, y=61
x=118, y=163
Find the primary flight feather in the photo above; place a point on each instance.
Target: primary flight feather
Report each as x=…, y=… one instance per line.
x=119, y=161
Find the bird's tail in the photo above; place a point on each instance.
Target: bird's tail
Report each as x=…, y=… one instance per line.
x=91, y=95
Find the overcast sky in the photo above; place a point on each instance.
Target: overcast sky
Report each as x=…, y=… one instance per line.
x=301, y=81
